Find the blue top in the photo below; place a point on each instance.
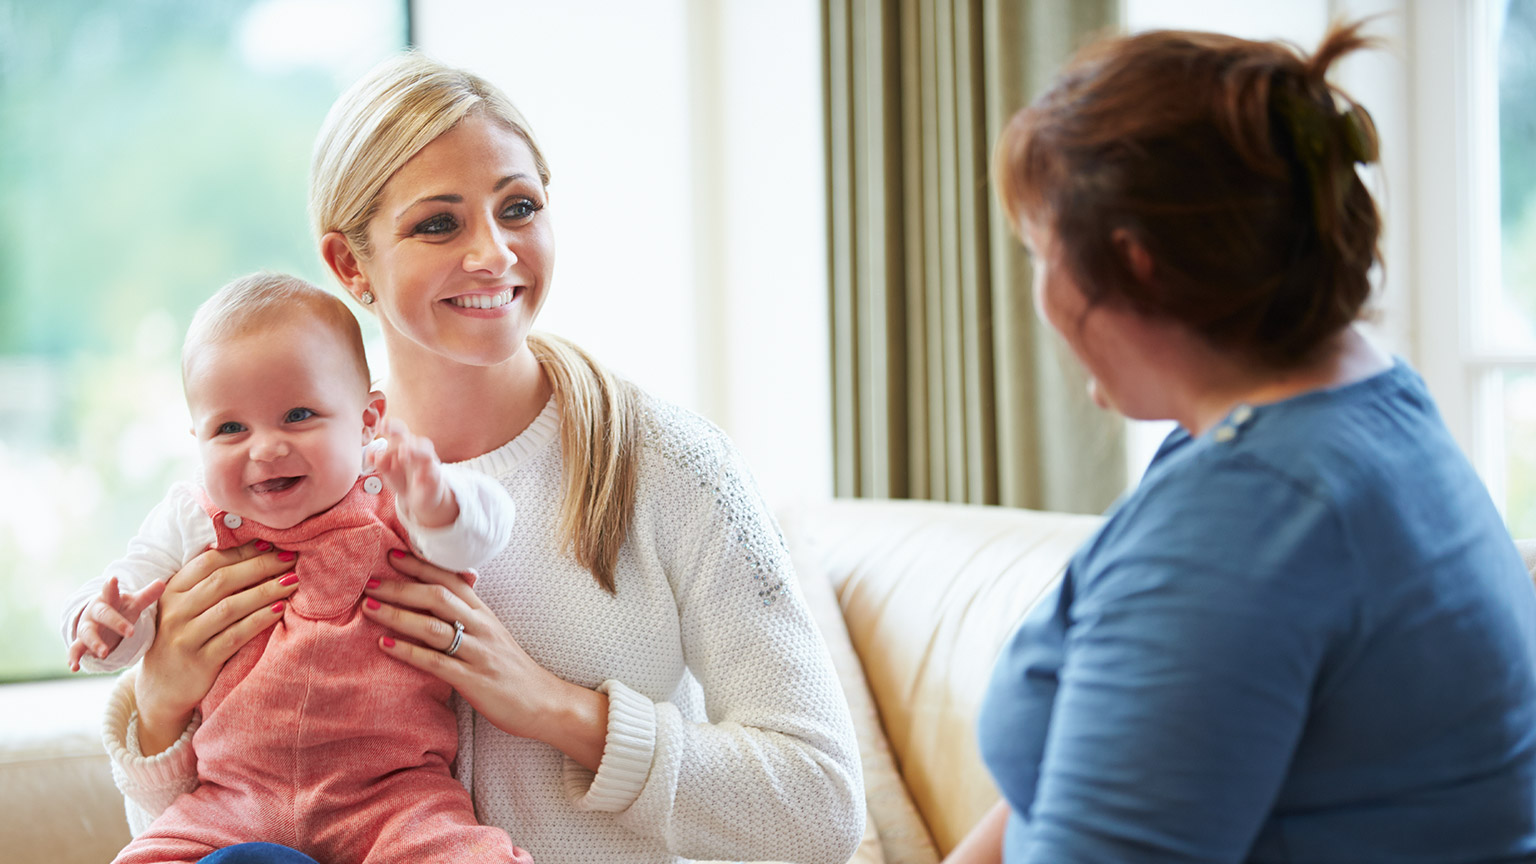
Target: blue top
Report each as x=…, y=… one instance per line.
x=1306, y=636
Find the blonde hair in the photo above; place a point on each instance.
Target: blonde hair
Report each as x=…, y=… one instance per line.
x=383, y=120
x=263, y=300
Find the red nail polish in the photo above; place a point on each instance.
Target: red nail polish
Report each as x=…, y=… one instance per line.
x=287, y=555
x=388, y=642
x=290, y=579
x=263, y=546
x=278, y=606
x=397, y=553
x=371, y=603
x=373, y=583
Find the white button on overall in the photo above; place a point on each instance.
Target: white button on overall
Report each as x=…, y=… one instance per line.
x=231, y=520
x=372, y=485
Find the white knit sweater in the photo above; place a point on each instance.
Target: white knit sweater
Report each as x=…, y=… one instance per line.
x=728, y=736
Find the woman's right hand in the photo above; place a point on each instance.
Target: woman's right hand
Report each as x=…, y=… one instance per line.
x=210, y=609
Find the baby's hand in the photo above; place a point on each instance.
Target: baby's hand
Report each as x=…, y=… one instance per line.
x=107, y=619
x=409, y=466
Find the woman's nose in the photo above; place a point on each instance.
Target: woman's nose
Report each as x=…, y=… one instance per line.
x=490, y=251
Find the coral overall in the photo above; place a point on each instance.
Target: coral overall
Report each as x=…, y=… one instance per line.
x=311, y=736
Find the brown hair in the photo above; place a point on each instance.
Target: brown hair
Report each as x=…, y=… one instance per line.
x=1229, y=161
x=383, y=120
x=263, y=300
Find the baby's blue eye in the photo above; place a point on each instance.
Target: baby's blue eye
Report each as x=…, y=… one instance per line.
x=298, y=415
x=229, y=428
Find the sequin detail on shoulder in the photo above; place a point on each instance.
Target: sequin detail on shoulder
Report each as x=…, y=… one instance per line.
x=701, y=449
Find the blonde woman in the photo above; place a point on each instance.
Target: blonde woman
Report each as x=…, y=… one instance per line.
x=639, y=678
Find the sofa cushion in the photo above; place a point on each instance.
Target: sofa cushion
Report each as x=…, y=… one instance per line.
x=897, y=834
x=930, y=592
x=55, y=784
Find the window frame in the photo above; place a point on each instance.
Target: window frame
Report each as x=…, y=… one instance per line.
x=1456, y=225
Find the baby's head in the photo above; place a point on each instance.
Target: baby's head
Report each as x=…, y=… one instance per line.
x=278, y=388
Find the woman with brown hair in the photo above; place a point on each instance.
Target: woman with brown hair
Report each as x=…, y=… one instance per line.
x=640, y=679
x=1306, y=635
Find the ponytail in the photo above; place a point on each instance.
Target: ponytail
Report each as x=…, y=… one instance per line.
x=599, y=439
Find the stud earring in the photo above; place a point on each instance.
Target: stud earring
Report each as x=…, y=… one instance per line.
x=366, y=298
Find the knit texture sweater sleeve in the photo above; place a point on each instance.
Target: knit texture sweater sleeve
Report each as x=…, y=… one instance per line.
x=774, y=773
x=173, y=533
x=149, y=783
x=477, y=535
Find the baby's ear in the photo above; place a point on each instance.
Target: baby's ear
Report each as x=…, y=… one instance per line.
x=373, y=415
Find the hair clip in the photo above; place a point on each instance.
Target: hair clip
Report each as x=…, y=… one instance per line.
x=1358, y=135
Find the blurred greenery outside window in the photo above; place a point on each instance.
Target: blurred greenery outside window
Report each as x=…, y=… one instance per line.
x=1510, y=326
x=150, y=151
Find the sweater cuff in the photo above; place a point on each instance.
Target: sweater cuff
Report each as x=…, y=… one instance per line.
x=173, y=771
x=627, y=754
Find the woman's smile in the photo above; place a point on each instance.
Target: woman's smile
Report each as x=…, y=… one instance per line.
x=484, y=301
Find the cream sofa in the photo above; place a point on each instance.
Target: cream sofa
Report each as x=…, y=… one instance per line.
x=915, y=600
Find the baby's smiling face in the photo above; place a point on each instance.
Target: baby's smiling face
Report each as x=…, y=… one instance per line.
x=281, y=417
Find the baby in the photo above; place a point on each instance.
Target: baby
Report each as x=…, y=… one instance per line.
x=311, y=736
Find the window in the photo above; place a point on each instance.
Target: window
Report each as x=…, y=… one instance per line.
x=1475, y=265
x=1503, y=353
x=148, y=154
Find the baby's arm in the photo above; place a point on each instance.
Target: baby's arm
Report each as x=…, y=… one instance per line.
x=106, y=620
x=128, y=589
x=457, y=518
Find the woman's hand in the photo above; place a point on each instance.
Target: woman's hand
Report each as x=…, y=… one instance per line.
x=210, y=609
x=984, y=843
x=488, y=668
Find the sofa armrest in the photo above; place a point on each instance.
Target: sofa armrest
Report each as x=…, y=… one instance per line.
x=930, y=592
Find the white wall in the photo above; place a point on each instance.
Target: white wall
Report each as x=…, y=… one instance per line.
x=684, y=138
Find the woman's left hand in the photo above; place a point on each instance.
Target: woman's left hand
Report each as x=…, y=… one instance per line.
x=488, y=668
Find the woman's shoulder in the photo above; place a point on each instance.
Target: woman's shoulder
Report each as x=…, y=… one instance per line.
x=675, y=439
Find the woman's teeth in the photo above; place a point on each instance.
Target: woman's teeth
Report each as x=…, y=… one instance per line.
x=482, y=301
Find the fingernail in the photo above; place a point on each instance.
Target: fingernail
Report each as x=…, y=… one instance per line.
x=287, y=555
x=290, y=579
x=371, y=603
x=372, y=583
x=278, y=606
x=397, y=553
x=263, y=546
x=388, y=642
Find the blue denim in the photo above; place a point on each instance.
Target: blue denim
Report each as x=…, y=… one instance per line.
x=257, y=853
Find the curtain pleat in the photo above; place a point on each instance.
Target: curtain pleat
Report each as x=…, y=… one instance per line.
x=944, y=385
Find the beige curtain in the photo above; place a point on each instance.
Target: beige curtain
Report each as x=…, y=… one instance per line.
x=945, y=386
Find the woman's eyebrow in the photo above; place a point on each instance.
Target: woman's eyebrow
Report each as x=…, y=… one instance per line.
x=450, y=198
x=502, y=183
